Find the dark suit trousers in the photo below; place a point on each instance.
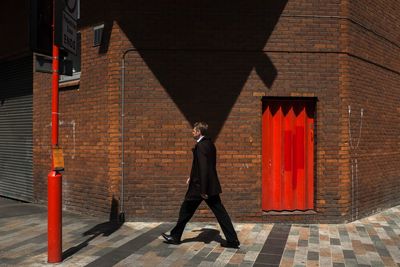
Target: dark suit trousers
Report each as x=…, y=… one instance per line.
x=189, y=207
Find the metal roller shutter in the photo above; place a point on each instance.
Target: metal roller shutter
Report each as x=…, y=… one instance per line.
x=16, y=114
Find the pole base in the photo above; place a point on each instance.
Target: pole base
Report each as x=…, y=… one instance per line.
x=54, y=217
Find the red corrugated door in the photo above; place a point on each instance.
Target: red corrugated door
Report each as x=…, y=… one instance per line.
x=288, y=154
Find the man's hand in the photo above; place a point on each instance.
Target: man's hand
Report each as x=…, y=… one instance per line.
x=204, y=196
x=188, y=180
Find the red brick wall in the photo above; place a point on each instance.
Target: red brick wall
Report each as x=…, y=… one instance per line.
x=372, y=46
x=236, y=68
x=86, y=134
x=210, y=62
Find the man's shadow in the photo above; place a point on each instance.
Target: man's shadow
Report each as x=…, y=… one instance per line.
x=104, y=229
x=206, y=236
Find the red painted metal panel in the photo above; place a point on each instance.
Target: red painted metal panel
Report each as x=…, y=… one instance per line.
x=310, y=155
x=267, y=157
x=276, y=158
x=288, y=155
x=300, y=181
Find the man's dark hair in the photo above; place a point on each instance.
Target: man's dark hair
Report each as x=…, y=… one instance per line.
x=202, y=127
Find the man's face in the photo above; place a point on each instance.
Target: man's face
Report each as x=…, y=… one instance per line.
x=196, y=133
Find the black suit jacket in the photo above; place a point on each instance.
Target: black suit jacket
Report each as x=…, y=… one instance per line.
x=203, y=176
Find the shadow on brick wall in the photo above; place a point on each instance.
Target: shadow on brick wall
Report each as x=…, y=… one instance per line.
x=201, y=52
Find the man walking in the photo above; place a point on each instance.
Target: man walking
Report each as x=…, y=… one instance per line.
x=203, y=185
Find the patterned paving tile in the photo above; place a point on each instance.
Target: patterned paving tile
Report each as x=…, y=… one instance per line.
x=372, y=241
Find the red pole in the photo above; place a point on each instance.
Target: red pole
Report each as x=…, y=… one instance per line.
x=54, y=229
x=54, y=107
x=54, y=190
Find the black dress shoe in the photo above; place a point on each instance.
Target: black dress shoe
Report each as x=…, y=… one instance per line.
x=231, y=244
x=170, y=239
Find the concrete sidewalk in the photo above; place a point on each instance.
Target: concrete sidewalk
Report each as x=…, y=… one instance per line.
x=373, y=241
